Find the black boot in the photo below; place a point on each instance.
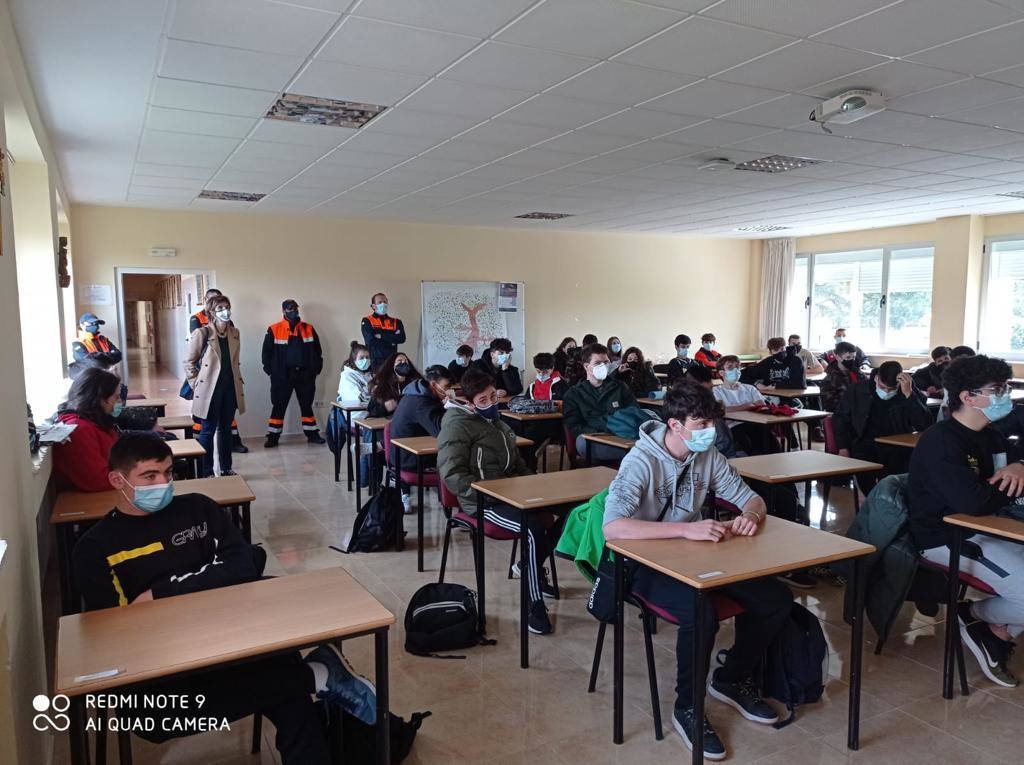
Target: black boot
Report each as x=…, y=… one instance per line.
x=237, y=446
x=272, y=439
x=315, y=438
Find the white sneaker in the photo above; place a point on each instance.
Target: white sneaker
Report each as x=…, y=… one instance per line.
x=407, y=504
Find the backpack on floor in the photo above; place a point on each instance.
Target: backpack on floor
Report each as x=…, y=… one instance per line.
x=376, y=524
x=335, y=432
x=360, y=739
x=442, y=617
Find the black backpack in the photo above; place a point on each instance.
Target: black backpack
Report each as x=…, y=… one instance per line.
x=335, y=432
x=360, y=739
x=442, y=617
x=376, y=524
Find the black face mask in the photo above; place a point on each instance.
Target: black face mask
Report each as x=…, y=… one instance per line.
x=779, y=356
x=401, y=369
x=797, y=347
x=291, y=315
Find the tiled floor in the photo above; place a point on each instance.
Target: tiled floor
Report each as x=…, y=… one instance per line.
x=488, y=710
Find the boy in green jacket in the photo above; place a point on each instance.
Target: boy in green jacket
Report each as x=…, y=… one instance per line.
x=588, y=404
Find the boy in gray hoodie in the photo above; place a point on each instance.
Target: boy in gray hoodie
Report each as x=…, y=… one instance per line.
x=673, y=467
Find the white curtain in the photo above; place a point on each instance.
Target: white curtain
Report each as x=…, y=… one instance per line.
x=777, y=259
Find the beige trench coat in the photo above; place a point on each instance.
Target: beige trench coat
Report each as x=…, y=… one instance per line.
x=203, y=369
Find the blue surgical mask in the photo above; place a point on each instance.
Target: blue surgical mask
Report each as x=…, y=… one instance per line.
x=503, y=359
x=707, y=346
x=732, y=375
x=118, y=408
x=616, y=347
x=152, y=499
x=93, y=329
x=885, y=395
x=462, y=361
x=488, y=413
x=701, y=440
x=543, y=377
x=363, y=364
x=382, y=308
x=998, y=407
x=683, y=352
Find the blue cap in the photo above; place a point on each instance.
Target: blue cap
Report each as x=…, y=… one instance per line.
x=90, y=318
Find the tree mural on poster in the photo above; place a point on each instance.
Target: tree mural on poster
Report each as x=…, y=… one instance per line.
x=469, y=316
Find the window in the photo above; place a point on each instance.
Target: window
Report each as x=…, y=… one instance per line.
x=882, y=297
x=1002, y=325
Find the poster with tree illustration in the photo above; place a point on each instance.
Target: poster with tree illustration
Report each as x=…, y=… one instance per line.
x=473, y=314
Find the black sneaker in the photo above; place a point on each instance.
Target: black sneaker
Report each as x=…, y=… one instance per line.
x=228, y=472
x=799, y=579
x=239, y=448
x=546, y=588
x=683, y=721
x=990, y=651
x=742, y=696
x=539, y=623
x=316, y=438
x=271, y=442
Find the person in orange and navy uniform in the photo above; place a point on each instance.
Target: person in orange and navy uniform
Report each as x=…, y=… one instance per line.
x=90, y=341
x=381, y=334
x=195, y=321
x=292, y=357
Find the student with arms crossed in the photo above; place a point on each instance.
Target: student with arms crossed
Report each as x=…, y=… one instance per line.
x=682, y=362
x=840, y=337
x=929, y=378
x=154, y=545
x=589, y=403
x=842, y=372
x=812, y=366
x=963, y=465
x=781, y=368
x=707, y=355
x=674, y=465
x=382, y=334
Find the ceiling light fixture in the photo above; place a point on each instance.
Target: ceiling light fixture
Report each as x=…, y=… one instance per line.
x=761, y=229
x=231, y=196
x=777, y=163
x=309, y=110
x=544, y=216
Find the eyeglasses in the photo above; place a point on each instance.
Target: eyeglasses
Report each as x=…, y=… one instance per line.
x=996, y=389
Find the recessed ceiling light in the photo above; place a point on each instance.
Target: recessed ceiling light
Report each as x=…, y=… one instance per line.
x=309, y=110
x=1014, y=194
x=760, y=229
x=231, y=196
x=544, y=216
x=777, y=163
x=718, y=163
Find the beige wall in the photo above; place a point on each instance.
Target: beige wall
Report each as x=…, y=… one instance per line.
x=644, y=288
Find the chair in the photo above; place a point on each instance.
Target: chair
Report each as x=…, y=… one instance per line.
x=408, y=477
x=832, y=448
x=575, y=460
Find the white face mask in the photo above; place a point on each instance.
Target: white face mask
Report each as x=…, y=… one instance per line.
x=224, y=314
x=600, y=371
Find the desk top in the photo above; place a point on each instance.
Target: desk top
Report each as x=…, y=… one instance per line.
x=609, y=439
x=425, y=446
x=349, y=406
x=810, y=390
x=530, y=492
x=526, y=417
x=997, y=525
x=78, y=506
x=176, y=422
x=908, y=440
x=647, y=401
x=799, y=466
x=373, y=423
x=187, y=447
x=802, y=415
x=158, y=638
x=157, y=402
x=777, y=547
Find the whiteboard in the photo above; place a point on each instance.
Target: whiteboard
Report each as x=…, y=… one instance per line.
x=470, y=313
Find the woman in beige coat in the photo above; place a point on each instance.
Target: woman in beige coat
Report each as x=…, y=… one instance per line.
x=211, y=368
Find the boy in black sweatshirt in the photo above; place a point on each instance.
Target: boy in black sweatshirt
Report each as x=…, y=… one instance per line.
x=156, y=545
x=963, y=465
x=781, y=368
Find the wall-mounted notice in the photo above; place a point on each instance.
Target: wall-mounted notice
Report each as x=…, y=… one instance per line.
x=95, y=294
x=508, y=297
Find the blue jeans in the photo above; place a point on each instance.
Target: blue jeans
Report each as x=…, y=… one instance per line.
x=217, y=427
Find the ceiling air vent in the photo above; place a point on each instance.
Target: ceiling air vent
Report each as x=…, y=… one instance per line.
x=291, y=107
x=231, y=196
x=1014, y=194
x=760, y=229
x=777, y=163
x=544, y=216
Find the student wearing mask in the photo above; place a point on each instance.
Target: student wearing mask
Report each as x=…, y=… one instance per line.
x=420, y=410
x=614, y=352
x=736, y=396
x=781, y=368
x=354, y=385
x=957, y=352
x=589, y=403
x=840, y=337
x=682, y=362
x=637, y=374
x=842, y=372
x=459, y=365
x=723, y=434
x=564, y=353
x=382, y=334
x=149, y=519
x=964, y=465
x=292, y=359
x=885, y=404
x=387, y=384
x=707, y=355
x=474, y=445
x=548, y=384
x=812, y=366
x=929, y=378
x=200, y=319
x=211, y=369
x=497, y=362
x=89, y=340
x=94, y=402
x=659, y=493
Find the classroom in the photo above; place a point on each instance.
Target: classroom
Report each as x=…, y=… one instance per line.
x=511, y=381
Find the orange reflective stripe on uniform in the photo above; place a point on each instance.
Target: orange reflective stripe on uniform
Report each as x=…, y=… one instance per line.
x=309, y=423
x=94, y=343
x=282, y=331
x=202, y=318
x=275, y=425
x=387, y=324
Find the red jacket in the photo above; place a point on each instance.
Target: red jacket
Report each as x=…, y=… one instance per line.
x=81, y=463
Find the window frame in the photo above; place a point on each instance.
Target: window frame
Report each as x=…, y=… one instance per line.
x=986, y=265
x=887, y=250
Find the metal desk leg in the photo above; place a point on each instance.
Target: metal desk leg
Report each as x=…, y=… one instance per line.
x=481, y=576
x=699, y=679
x=246, y=508
x=65, y=544
x=952, y=620
x=373, y=485
x=380, y=645
x=349, y=443
x=399, y=517
x=617, y=649
x=419, y=513
x=78, y=738
x=337, y=461
x=524, y=592
x=124, y=747
x=590, y=452
x=856, y=651
x=807, y=504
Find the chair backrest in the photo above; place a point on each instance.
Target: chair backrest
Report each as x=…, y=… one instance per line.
x=830, y=436
x=449, y=501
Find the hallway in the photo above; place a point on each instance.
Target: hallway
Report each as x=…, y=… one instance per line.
x=151, y=380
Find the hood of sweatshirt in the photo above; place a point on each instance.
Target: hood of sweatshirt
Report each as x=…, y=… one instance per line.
x=419, y=388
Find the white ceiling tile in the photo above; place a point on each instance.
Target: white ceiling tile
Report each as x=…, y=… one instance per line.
x=505, y=132
x=788, y=111
x=711, y=98
x=181, y=121
x=137, y=189
x=655, y=151
x=251, y=24
x=224, y=183
x=642, y=123
x=477, y=151
x=795, y=17
x=172, y=183
x=465, y=99
x=516, y=67
x=383, y=45
x=988, y=169
x=941, y=164
x=1014, y=75
x=916, y=24
x=402, y=121
x=966, y=94
x=1013, y=150
x=282, y=168
x=227, y=66
x=342, y=82
x=389, y=143
x=300, y=194
x=542, y=159
x=702, y=47
x=367, y=160
x=621, y=84
x=291, y=152
x=469, y=17
x=585, y=142
x=609, y=164
x=300, y=133
x=443, y=167
x=597, y=28
x=1008, y=115
x=185, y=146
x=800, y=66
x=172, y=171
x=979, y=54
x=690, y=6
x=718, y=133
x=559, y=112
x=218, y=99
x=221, y=205
x=892, y=79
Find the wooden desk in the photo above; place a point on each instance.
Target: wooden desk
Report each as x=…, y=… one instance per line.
x=647, y=401
x=158, y=403
x=75, y=511
x=180, y=422
x=175, y=637
x=908, y=440
x=527, y=417
x=422, y=447
x=779, y=546
x=544, y=491
x=807, y=416
x=810, y=391
x=346, y=408
x=606, y=439
x=190, y=450
x=964, y=526
x=373, y=426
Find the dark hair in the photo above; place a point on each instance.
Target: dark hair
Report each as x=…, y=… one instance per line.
x=544, y=361
x=776, y=343
x=353, y=348
x=887, y=372
x=463, y=350
x=971, y=373
x=727, y=360
x=501, y=344
x=475, y=382
x=707, y=336
x=792, y=336
x=375, y=295
x=214, y=301
x=699, y=373
x=92, y=386
x=844, y=347
x=99, y=360
x=385, y=386
x=609, y=343
x=939, y=351
x=961, y=351
x=682, y=340
x=840, y=329
x=134, y=447
x=589, y=339
x=639, y=355
x=565, y=342
x=636, y=378
x=688, y=398
x=436, y=372
x=591, y=350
